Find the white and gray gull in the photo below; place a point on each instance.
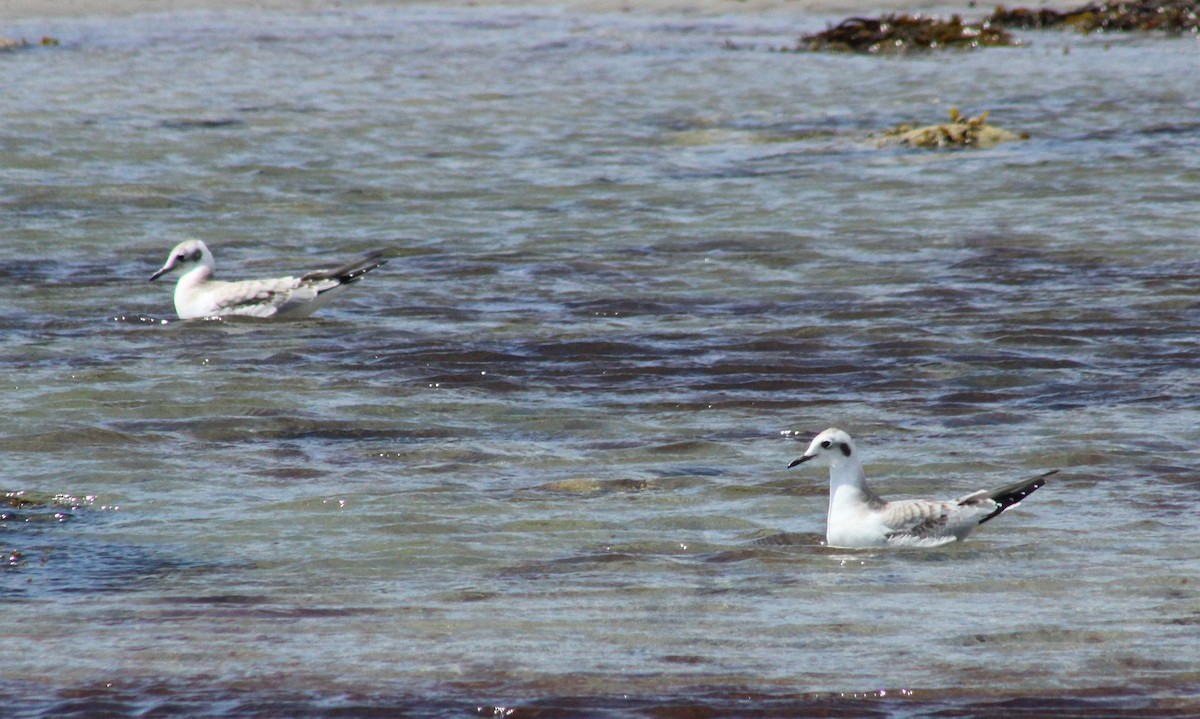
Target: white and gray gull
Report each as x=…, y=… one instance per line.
x=197, y=294
x=860, y=518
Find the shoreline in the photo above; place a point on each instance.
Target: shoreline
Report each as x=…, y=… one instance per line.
x=12, y=10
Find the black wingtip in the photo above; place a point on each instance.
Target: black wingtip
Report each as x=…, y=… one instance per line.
x=1011, y=495
x=351, y=272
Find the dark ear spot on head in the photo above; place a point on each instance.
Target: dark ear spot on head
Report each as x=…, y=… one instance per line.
x=845, y=449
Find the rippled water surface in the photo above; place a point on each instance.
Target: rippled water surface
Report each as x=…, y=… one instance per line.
x=536, y=460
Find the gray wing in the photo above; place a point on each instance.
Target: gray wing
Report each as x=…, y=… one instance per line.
x=923, y=522
x=291, y=296
x=258, y=298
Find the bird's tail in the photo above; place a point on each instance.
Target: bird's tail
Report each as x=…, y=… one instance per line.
x=351, y=271
x=1011, y=494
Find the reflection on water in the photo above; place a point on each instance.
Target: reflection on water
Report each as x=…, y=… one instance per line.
x=536, y=461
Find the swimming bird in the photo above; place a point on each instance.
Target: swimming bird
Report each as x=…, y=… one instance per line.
x=860, y=518
x=197, y=294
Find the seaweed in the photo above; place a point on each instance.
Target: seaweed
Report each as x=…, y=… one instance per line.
x=899, y=33
x=1177, y=16
x=7, y=43
x=959, y=132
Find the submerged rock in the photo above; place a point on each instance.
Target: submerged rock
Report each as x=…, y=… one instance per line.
x=959, y=132
x=899, y=33
x=22, y=506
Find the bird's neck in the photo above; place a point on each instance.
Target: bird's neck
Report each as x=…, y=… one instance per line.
x=848, y=483
x=198, y=275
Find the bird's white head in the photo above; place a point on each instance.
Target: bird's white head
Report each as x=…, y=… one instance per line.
x=833, y=446
x=186, y=256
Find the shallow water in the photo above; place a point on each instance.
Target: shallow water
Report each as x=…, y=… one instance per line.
x=538, y=460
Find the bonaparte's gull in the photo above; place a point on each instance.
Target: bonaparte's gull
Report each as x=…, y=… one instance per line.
x=197, y=294
x=860, y=518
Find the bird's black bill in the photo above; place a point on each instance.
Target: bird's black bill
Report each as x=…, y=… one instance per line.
x=158, y=274
x=802, y=460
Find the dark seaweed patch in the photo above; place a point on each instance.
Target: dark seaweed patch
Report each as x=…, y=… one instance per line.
x=900, y=33
x=1176, y=16
x=33, y=508
x=202, y=123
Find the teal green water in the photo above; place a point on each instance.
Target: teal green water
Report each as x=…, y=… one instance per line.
x=538, y=459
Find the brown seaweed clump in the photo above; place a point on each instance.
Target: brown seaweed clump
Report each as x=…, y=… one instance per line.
x=7, y=43
x=1164, y=15
x=959, y=132
x=892, y=33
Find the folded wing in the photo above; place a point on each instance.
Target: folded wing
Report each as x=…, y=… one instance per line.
x=928, y=523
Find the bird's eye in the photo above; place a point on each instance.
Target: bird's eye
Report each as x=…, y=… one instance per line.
x=826, y=444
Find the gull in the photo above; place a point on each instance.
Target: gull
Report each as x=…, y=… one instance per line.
x=197, y=294
x=860, y=518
